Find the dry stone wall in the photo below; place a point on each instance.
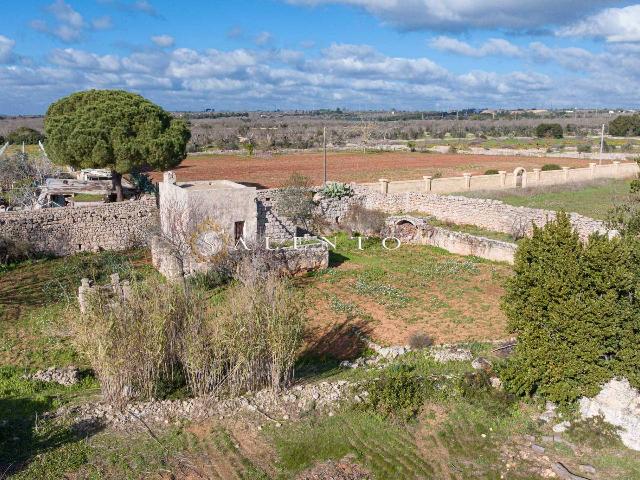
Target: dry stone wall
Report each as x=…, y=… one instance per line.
x=65, y=231
x=489, y=214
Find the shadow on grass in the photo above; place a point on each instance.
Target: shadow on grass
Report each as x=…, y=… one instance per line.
x=336, y=259
x=345, y=341
x=25, y=436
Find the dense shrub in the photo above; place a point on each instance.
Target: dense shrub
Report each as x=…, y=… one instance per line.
x=549, y=130
x=26, y=135
x=625, y=125
x=363, y=221
x=13, y=250
x=140, y=343
x=491, y=171
x=574, y=309
x=295, y=200
x=399, y=392
x=547, y=167
x=625, y=216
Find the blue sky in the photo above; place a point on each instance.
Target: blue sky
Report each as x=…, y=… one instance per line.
x=359, y=54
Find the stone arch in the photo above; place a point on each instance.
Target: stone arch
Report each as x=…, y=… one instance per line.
x=405, y=229
x=520, y=177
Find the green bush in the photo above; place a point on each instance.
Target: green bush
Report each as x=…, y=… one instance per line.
x=399, y=392
x=26, y=135
x=574, y=309
x=625, y=126
x=491, y=171
x=549, y=130
x=550, y=166
x=584, y=148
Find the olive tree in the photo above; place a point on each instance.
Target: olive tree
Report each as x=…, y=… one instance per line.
x=115, y=130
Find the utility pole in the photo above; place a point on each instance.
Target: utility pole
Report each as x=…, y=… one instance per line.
x=324, y=145
x=601, y=144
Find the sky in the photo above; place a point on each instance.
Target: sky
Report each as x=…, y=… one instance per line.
x=309, y=54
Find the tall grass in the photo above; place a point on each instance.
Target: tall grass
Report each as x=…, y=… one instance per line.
x=246, y=342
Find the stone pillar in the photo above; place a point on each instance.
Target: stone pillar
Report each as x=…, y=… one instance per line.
x=503, y=178
x=427, y=182
x=467, y=180
x=524, y=179
x=592, y=170
x=169, y=177
x=616, y=168
x=83, y=290
x=565, y=170
x=536, y=175
x=384, y=185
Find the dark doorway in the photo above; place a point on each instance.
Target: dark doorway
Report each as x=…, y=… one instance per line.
x=238, y=231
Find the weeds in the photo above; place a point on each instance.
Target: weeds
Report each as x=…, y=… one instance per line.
x=384, y=294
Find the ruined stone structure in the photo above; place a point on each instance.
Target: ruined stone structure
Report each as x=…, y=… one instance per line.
x=65, y=231
x=115, y=289
x=489, y=214
x=418, y=231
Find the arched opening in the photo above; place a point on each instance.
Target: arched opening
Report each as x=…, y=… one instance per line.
x=520, y=177
x=405, y=230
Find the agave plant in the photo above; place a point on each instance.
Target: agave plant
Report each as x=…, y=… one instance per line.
x=336, y=190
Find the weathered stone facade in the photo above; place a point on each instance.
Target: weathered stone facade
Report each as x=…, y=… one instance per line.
x=65, y=231
x=418, y=231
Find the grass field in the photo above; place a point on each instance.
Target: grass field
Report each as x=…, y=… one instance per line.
x=392, y=294
x=590, y=199
x=458, y=433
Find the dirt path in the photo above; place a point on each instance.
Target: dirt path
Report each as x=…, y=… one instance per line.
x=272, y=171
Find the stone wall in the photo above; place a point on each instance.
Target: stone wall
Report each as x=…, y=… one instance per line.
x=420, y=232
x=518, y=178
x=270, y=223
x=65, y=231
x=489, y=214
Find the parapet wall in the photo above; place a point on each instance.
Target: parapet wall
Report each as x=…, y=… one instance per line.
x=415, y=230
x=65, y=231
x=518, y=178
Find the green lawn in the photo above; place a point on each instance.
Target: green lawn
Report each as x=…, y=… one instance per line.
x=592, y=200
x=464, y=429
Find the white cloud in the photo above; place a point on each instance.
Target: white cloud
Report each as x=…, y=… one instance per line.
x=67, y=24
x=264, y=38
x=78, y=59
x=354, y=75
x=493, y=46
x=6, y=49
x=163, y=40
x=468, y=14
x=102, y=23
x=612, y=24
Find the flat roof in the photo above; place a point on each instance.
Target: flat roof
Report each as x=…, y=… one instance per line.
x=210, y=185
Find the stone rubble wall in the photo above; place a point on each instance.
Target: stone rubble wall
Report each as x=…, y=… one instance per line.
x=489, y=214
x=422, y=233
x=270, y=223
x=65, y=231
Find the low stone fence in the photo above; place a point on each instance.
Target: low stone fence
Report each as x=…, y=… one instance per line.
x=489, y=214
x=415, y=230
x=518, y=178
x=65, y=231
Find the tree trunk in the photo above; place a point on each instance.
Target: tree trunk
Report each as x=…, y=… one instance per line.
x=116, y=183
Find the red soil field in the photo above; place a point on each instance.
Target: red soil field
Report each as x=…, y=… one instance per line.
x=273, y=171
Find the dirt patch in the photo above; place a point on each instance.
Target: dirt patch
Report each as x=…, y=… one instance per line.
x=345, y=469
x=349, y=166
